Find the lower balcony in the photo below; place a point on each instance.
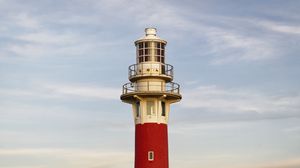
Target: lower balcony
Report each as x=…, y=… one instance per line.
x=170, y=90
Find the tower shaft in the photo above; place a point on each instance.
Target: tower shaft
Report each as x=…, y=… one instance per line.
x=151, y=137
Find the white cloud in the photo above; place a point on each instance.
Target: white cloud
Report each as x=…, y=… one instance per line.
x=235, y=100
x=45, y=43
x=231, y=47
x=65, y=90
x=281, y=28
x=75, y=158
x=49, y=38
x=24, y=20
x=292, y=129
x=284, y=163
x=84, y=91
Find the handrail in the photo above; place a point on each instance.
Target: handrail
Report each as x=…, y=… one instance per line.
x=146, y=69
x=169, y=87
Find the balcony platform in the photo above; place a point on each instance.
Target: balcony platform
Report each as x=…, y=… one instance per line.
x=170, y=91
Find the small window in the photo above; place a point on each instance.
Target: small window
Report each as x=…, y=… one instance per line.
x=163, y=52
x=146, y=44
x=146, y=51
x=150, y=107
x=137, y=109
x=150, y=155
x=162, y=59
x=163, y=46
x=163, y=108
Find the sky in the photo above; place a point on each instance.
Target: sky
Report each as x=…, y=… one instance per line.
x=63, y=64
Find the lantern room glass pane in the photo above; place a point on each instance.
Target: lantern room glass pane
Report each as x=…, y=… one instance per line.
x=141, y=52
x=157, y=58
x=141, y=59
x=157, y=45
x=147, y=58
x=140, y=45
x=157, y=51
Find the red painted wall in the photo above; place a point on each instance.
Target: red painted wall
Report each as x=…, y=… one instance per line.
x=151, y=137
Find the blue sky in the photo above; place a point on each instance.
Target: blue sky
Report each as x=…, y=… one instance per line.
x=62, y=65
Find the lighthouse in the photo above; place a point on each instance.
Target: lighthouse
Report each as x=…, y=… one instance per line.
x=151, y=92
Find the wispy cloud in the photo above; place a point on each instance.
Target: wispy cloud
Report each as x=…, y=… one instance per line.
x=281, y=28
x=24, y=20
x=231, y=47
x=239, y=100
x=49, y=38
x=288, y=163
x=44, y=90
x=67, y=157
x=87, y=91
x=227, y=39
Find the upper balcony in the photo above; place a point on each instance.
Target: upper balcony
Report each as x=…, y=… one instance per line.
x=143, y=70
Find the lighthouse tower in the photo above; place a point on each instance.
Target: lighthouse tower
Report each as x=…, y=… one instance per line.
x=150, y=92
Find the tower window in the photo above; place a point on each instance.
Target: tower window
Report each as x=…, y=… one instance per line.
x=163, y=108
x=137, y=109
x=150, y=107
x=150, y=155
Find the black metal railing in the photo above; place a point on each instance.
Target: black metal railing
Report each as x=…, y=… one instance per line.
x=169, y=87
x=151, y=69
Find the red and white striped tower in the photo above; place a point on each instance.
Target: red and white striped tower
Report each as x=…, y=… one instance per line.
x=151, y=91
